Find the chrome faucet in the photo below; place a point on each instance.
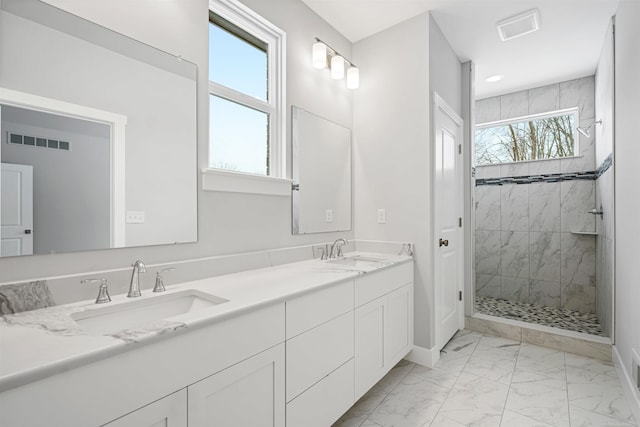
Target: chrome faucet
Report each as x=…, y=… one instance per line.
x=134, y=286
x=338, y=246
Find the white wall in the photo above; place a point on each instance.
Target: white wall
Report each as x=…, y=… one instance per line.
x=391, y=150
x=227, y=222
x=445, y=70
x=71, y=189
x=392, y=115
x=627, y=153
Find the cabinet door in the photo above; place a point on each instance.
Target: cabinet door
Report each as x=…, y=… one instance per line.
x=250, y=393
x=369, y=345
x=170, y=411
x=398, y=337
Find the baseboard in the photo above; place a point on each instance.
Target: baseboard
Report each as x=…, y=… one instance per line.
x=424, y=356
x=633, y=397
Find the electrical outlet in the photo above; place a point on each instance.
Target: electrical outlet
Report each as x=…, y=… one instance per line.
x=382, y=216
x=329, y=215
x=135, y=217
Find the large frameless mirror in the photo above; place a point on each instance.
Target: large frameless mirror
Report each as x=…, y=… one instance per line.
x=98, y=131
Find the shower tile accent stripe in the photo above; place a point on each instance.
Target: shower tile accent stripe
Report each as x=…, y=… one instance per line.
x=606, y=164
x=532, y=179
x=552, y=177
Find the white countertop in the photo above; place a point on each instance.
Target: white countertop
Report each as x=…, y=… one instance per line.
x=40, y=343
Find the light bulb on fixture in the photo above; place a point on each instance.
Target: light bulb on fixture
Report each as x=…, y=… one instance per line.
x=353, y=77
x=337, y=67
x=324, y=56
x=319, y=55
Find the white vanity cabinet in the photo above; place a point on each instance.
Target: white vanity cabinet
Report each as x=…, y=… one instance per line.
x=170, y=411
x=299, y=361
x=383, y=323
x=130, y=388
x=250, y=393
x=320, y=356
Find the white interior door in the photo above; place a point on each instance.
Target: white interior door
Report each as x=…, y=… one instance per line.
x=16, y=209
x=449, y=250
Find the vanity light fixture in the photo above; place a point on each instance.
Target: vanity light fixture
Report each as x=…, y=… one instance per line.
x=324, y=56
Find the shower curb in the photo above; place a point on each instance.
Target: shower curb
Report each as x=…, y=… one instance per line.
x=571, y=342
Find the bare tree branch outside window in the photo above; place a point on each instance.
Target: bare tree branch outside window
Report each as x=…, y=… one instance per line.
x=536, y=139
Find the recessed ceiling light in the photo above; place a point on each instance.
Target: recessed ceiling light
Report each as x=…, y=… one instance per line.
x=493, y=79
x=519, y=25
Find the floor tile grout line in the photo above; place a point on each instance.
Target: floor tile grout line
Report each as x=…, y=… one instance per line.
x=387, y=395
x=450, y=389
x=566, y=383
x=504, y=408
x=457, y=379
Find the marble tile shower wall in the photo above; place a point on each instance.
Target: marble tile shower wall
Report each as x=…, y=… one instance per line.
x=526, y=246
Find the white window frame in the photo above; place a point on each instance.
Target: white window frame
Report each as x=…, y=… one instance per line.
x=563, y=112
x=275, y=106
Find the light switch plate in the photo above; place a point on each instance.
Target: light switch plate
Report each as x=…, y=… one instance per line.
x=135, y=217
x=329, y=215
x=382, y=216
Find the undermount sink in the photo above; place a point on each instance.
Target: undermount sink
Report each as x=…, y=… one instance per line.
x=357, y=261
x=140, y=313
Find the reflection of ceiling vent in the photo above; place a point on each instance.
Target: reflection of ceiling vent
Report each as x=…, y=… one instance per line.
x=519, y=25
x=34, y=141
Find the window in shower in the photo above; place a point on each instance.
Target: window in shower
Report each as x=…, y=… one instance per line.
x=538, y=137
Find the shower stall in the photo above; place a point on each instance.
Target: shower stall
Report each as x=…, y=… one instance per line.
x=544, y=225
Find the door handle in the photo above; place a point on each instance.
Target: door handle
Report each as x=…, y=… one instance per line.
x=444, y=243
x=27, y=231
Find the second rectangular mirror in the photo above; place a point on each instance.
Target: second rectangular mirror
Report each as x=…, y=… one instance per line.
x=321, y=174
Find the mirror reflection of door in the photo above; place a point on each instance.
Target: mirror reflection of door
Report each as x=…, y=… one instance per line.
x=16, y=209
x=71, y=182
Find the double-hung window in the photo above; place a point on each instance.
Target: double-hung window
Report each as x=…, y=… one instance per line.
x=246, y=91
x=537, y=137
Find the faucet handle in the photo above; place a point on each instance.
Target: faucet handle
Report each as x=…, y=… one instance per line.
x=103, y=292
x=159, y=287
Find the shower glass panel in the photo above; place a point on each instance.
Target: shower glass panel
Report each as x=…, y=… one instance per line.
x=535, y=235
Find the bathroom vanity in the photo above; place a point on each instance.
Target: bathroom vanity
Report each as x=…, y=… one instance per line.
x=295, y=345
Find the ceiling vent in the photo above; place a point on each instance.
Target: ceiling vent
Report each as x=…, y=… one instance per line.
x=519, y=25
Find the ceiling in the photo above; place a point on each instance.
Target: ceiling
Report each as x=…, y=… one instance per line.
x=567, y=46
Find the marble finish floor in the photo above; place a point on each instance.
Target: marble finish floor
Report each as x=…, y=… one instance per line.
x=482, y=380
x=547, y=316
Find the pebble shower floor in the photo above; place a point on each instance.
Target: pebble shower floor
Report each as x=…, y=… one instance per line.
x=547, y=316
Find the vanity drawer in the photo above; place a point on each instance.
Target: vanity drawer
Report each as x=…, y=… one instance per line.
x=324, y=403
x=313, y=355
x=375, y=284
x=311, y=310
